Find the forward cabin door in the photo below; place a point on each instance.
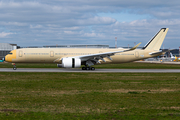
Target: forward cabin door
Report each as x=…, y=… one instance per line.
x=20, y=53
x=21, y=56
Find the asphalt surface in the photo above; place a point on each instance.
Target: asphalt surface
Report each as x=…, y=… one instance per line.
x=95, y=71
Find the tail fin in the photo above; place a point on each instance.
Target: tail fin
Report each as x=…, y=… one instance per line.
x=156, y=42
x=172, y=55
x=175, y=58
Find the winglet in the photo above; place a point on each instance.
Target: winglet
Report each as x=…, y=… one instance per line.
x=135, y=46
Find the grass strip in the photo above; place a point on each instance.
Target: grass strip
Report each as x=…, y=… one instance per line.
x=89, y=96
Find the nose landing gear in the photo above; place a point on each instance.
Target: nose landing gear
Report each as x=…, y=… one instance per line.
x=14, y=66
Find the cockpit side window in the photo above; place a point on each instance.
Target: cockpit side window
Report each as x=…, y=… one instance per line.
x=10, y=53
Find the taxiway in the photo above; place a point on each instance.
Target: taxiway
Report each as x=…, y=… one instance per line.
x=95, y=71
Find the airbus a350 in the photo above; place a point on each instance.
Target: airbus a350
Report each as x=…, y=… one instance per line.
x=75, y=57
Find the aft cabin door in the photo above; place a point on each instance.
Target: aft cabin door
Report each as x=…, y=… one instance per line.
x=137, y=54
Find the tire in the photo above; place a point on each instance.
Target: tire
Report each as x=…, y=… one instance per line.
x=88, y=68
x=92, y=68
x=83, y=68
x=14, y=68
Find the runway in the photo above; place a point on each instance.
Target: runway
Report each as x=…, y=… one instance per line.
x=90, y=71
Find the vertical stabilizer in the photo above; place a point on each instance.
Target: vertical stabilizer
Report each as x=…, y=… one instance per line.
x=172, y=56
x=156, y=42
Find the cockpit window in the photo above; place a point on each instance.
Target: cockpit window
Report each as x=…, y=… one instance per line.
x=10, y=53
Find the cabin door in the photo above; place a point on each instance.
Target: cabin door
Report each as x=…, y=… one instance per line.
x=52, y=54
x=137, y=54
x=20, y=53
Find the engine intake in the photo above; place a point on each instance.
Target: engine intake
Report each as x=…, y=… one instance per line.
x=70, y=63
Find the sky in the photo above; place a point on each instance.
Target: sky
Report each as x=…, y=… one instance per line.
x=67, y=22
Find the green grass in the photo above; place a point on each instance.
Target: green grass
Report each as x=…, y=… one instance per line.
x=132, y=65
x=90, y=96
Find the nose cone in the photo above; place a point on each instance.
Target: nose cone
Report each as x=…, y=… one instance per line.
x=6, y=58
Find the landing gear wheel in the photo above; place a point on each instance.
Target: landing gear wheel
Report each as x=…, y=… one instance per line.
x=83, y=68
x=14, y=68
x=92, y=68
x=88, y=68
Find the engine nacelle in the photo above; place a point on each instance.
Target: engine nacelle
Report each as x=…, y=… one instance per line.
x=70, y=63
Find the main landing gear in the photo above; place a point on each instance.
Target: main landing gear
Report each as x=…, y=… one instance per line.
x=88, y=68
x=14, y=66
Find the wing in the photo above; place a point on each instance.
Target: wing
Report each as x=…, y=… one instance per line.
x=94, y=58
x=100, y=56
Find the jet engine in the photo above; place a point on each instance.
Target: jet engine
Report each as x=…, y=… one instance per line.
x=70, y=63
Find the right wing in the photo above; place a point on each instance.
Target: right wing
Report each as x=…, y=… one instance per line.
x=92, y=59
x=100, y=56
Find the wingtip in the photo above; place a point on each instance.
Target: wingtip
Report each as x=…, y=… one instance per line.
x=137, y=45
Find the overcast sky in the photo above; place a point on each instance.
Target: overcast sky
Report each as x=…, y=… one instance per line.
x=51, y=22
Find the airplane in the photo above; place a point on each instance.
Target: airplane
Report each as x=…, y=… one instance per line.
x=75, y=57
x=162, y=59
x=172, y=57
x=167, y=59
x=177, y=59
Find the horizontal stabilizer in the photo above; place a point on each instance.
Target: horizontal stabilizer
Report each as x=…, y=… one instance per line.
x=160, y=52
